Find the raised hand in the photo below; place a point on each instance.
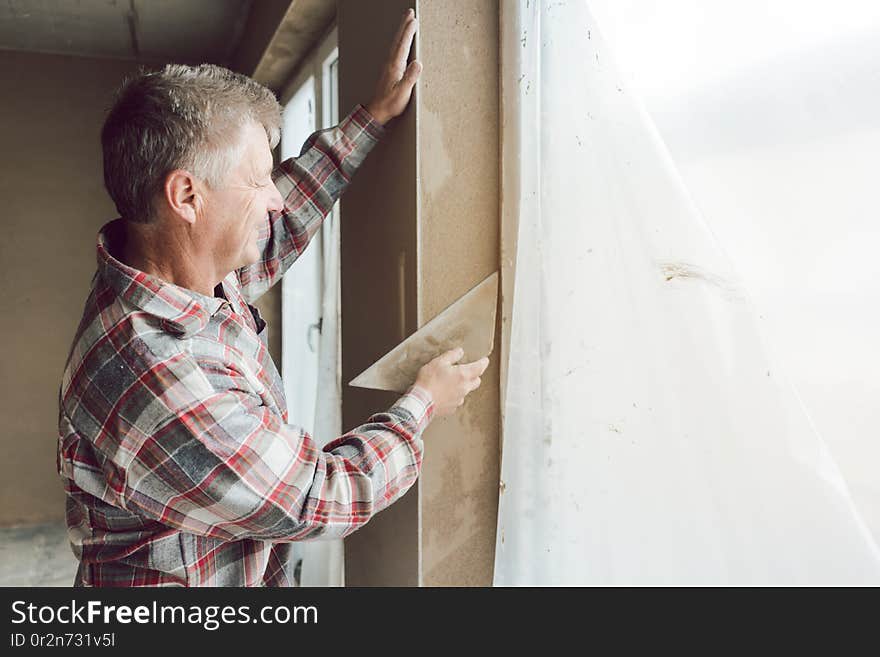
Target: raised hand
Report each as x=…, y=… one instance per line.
x=397, y=80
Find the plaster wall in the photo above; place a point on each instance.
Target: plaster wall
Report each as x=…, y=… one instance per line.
x=54, y=202
x=420, y=227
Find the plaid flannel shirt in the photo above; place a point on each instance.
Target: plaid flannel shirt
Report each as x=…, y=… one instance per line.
x=175, y=451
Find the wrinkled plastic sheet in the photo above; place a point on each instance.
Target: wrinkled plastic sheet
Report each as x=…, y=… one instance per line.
x=649, y=437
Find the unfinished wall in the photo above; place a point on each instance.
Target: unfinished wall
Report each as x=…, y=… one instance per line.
x=425, y=210
x=458, y=247
x=53, y=204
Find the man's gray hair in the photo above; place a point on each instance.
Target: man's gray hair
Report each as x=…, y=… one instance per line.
x=181, y=117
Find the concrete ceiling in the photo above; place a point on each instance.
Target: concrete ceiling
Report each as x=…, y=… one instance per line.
x=150, y=31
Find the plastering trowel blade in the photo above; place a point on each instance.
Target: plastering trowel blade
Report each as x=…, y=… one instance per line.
x=468, y=323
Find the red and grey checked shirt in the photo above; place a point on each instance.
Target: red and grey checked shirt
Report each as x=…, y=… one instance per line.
x=175, y=450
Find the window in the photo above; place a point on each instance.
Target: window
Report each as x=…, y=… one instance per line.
x=310, y=344
x=311, y=104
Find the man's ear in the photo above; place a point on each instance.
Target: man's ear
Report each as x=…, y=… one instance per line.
x=182, y=195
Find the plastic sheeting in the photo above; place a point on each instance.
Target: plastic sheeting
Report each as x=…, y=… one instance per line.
x=771, y=111
x=649, y=438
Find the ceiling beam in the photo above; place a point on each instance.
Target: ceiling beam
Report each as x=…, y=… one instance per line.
x=278, y=35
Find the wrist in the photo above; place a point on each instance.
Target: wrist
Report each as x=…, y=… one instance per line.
x=423, y=399
x=425, y=390
x=378, y=115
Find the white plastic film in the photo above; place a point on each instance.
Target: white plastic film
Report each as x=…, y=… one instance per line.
x=771, y=113
x=649, y=438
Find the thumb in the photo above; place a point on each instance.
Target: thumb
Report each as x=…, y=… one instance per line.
x=452, y=356
x=412, y=73
x=476, y=368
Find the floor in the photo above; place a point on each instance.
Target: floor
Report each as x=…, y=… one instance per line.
x=36, y=555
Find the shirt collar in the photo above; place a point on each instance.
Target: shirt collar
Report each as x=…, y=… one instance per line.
x=181, y=311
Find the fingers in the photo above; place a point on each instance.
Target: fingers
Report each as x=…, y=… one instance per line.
x=403, y=40
x=469, y=387
x=411, y=75
x=449, y=383
x=452, y=356
x=396, y=82
x=395, y=42
x=475, y=369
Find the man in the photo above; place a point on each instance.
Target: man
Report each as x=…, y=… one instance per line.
x=178, y=461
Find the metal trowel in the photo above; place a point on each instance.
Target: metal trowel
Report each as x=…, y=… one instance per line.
x=468, y=323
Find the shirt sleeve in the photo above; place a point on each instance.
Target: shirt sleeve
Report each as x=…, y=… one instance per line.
x=227, y=467
x=310, y=184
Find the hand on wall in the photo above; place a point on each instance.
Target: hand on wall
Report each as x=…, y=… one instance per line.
x=397, y=80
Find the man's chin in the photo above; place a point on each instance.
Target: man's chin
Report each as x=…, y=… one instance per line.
x=249, y=256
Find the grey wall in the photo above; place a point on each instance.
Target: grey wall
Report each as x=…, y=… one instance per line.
x=378, y=278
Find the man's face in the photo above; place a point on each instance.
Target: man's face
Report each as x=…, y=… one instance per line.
x=236, y=211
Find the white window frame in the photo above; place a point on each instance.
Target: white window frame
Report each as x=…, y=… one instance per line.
x=317, y=65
